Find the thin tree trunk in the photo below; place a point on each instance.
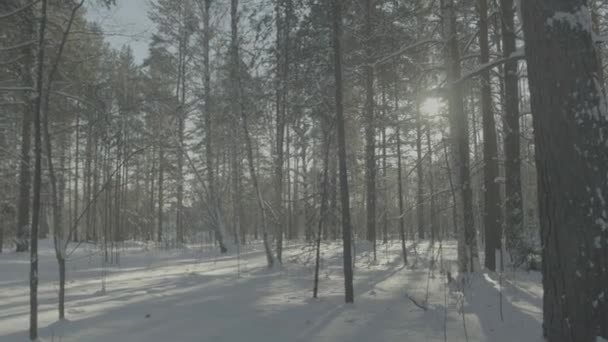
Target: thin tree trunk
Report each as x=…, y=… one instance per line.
x=370, y=130
x=433, y=210
x=161, y=169
x=323, y=209
x=419, y=173
x=75, y=235
x=212, y=198
x=385, y=206
x=400, y=190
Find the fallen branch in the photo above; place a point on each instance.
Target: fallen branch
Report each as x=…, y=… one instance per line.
x=423, y=306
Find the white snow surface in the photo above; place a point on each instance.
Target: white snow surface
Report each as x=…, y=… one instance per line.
x=195, y=294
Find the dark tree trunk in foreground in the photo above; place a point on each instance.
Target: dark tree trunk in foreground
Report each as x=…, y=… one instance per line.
x=346, y=227
x=571, y=125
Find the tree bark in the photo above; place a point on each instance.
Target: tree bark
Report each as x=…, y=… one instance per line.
x=346, y=224
x=370, y=129
x=570, y=120
x=323, y=209
x=514, y=225
x=33, y=331
x=467, y=244
x=492, y=220
x=400, y=192
x=25, y=177
x=420, y=175
x=431, y=179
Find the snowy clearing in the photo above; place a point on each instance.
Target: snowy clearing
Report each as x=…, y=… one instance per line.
x=195, y=294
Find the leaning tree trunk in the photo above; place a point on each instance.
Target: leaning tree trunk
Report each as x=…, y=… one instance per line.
x=570, y=118
x=236, y=80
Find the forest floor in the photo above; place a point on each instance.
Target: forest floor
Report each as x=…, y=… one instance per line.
x=196, y=294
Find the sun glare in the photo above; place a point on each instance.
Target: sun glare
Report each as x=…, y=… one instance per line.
x=431, y=106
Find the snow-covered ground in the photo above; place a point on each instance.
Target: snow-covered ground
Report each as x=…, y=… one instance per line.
x=195, y=294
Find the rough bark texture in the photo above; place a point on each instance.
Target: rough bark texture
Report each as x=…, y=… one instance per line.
x=571, y=125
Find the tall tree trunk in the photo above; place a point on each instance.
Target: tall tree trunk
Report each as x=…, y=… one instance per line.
x=433, y=205
x=346, y=225
x=492, y=220
x=88, y=182
x=420, y=174
x=289, y=192
x=370, y=129
x=385, y=202
x=307, y=227
x=33, y=331
x=514, y=225
x=180, y=95
x=570, y=120
x=161, y=176
x=400, y=191
x=25, y=177
x=323, y=209
x=207, y=104
x=282, y=41
x=75, y=234
x=467, y=244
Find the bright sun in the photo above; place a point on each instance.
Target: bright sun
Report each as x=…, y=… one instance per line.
x=431, y=106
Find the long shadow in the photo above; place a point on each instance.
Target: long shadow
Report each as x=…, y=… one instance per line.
x=485, y=303
x=177, y=308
